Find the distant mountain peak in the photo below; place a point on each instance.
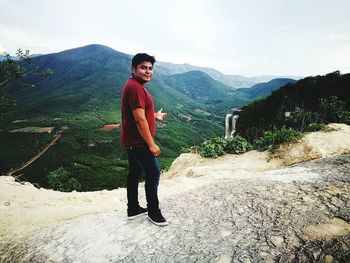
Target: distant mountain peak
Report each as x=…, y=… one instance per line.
x=91, y=49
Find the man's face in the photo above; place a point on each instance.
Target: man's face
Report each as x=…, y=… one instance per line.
x=143, y=72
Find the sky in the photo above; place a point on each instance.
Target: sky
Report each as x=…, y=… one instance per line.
x=237, y=37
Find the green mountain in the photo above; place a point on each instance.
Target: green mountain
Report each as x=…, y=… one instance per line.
x=264, y=89
x=84, y=94
x=232, y=81
x=199, y=86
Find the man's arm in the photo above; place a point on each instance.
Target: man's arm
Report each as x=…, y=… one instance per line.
x=142, y=125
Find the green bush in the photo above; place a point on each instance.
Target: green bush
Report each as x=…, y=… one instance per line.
x=301, y=119
x=236, y=145
x=62, y=180
x=346, y=117
x=330, y=110
x=334, y=110
x=271, y=139
x=212, y=148
x=313, y=127
x=216, y=147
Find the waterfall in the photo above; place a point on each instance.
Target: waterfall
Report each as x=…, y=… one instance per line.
x=230, y=122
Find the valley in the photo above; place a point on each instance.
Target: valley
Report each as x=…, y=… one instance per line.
x=83, y=95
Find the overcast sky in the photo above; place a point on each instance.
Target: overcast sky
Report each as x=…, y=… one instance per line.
x=246, y=37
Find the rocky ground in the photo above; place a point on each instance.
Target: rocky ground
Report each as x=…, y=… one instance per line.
x=300, y=213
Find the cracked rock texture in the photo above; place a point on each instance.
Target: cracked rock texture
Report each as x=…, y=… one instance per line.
x=300, y=213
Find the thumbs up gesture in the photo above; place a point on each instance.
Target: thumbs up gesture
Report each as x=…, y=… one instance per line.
x=160, y=116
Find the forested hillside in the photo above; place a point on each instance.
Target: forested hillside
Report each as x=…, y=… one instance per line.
x=312, y=100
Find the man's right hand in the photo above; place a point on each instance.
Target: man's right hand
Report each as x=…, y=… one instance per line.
x=154, y=149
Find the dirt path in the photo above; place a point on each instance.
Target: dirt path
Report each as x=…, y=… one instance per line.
x=40, y=153
x=295, y=214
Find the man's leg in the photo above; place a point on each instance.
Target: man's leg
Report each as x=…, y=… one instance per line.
x=152, y=171
x=135, y=171
x=151, y=167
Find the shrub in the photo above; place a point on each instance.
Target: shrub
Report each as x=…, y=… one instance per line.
x=237, y=145
x=334, y=110
x=216, y=147
x=346, y=117
x=330, y=110
x=62, y=180
x=313, y=127
x=212, y=148
x=270, y=140
x=265, y=141
x=301, y=119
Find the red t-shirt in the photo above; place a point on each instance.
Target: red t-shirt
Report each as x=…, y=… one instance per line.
x=135, y=96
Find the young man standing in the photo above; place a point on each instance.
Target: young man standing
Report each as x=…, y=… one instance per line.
x=137, y=136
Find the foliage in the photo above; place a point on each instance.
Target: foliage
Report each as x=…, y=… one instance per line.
x=218, y=146
x=212, y=148
x=62, y=180
x=301, y=119
x=20, y=147
x=11, y=69
x=312, y=100
x=6, y=102
x=237, y=145
x=330, y=110
x=313, y=127
x=271, y=139
x=334, y=110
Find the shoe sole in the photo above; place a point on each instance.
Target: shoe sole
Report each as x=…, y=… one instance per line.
x=136, y=216
x=157, y=223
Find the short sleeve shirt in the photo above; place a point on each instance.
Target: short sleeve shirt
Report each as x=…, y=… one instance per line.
x=135, y=96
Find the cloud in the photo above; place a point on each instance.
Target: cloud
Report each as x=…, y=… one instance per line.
x=339, y=37
x=13, y=38
x=2, y=50
x=236, y=37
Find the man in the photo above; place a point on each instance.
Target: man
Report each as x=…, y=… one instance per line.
x=137, y=136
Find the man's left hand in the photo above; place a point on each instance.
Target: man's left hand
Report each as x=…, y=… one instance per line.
x=160, y=116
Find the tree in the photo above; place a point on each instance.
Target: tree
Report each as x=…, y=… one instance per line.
x=15, y=69
x=62, y=180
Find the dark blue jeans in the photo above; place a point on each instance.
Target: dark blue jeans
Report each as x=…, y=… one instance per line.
x=141, y=160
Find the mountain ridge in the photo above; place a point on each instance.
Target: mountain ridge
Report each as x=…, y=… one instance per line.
x=264, y=89
x=234, y=81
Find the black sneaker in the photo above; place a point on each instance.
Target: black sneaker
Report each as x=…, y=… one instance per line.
x=133, y=213
x=156, y=218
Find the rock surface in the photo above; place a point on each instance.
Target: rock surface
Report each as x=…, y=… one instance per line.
x=296, y=214
x=245, y=208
